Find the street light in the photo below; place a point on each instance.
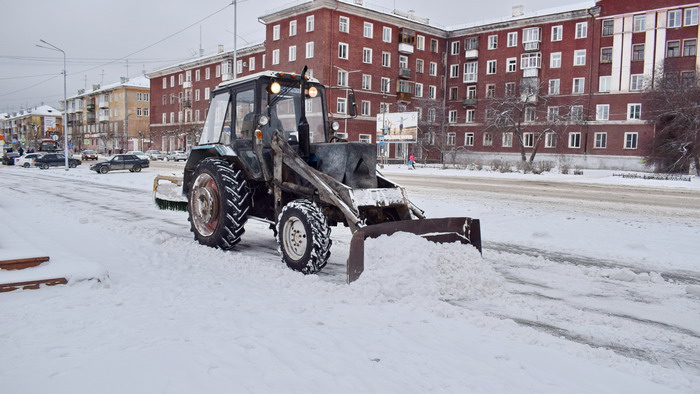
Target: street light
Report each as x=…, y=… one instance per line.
x=52, y=47
x=345, y=126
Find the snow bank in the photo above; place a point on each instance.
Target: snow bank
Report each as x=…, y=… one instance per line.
x=450, y=271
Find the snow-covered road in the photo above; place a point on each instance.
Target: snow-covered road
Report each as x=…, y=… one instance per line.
x=570, y=296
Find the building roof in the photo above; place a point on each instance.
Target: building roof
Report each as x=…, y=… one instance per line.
x=206, y=59
x=138, y=82
x=42, y=110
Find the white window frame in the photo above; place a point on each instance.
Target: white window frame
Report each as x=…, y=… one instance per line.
x=368, y=30
x=557, y=33
x=432, y=69
x=507, y=140
x=454, y=48
x=631, y=140
x=386, y=59
x=309, y=50
x=420, y=42
x=530, y=114
x=674, y=19
x=452, y=116
x=492, y=42
x=512, y=40
x=275, y=56
x=385, y=86
x=555, y=60
x=454, y=70
x=690, y=16
x=634, y=111
x=528, y=139
x=342, y=78
x=487, y=139
x=275, y=32
x=554, y=87
x=600, y=140
x=579, y=82
x=581, y=30
x=491, y=67
x=310, y=23
x=418, y=90
x=292, y=55
x=366, y=82
x=386, y=34
x=604, y=82
x=580, y=57
x=367, y=55
x=432, y=92
x=575, y=140
x=343, y=50
x=469, y=139
x=636, y=82
x=470, y=116
x=451, y=139
x=471, y=72
x=602, y=112
x=341, y=105
x=639, y=23
x=550, y=139
x=511, y=64
x=292, y=28
x=365, y=108
x=344, y=24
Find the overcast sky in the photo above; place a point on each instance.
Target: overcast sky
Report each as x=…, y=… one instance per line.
x=100, y=36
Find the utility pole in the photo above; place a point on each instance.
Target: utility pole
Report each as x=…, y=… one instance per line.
x=235, y=42
x=65, y=99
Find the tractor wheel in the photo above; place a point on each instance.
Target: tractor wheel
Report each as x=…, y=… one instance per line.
x=303, y=237
x=218, y=204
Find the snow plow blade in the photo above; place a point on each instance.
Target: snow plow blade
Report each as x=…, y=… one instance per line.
x=440, y=230
x=169, y=196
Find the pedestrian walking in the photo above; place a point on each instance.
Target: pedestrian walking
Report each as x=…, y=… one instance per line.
x=411, y=162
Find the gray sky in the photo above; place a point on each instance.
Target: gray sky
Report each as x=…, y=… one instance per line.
x=100, y=36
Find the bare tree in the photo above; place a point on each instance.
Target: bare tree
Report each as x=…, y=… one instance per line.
x=674, y=107
x=528, y=117
x=434, y=140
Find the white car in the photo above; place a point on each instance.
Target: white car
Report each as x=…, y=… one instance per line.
x=176, y=156
x=155, y=155
x=27, y=160
x=138, y=154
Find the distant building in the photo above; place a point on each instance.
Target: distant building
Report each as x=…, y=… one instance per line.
x=27, y=127
x=589, y=62
x=113, y=117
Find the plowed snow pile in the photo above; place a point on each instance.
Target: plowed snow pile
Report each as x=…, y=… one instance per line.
x=404, y=266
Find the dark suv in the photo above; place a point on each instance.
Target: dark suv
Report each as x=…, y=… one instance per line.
x=55, y=160
x=120, y=162
x=8, y=158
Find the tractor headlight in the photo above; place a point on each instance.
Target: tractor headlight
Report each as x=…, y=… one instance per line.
x=274, y=87
x=335, y=125
x=263, y=120
x=312, y=92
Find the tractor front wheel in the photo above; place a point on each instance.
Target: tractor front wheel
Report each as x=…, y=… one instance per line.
x=303, y=237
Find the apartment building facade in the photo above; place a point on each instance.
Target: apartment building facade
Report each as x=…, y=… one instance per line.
x=589, y=65
x=27, y=127
x=111, y=118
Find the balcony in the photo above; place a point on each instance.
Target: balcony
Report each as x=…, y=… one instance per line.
x=404, y=97
x=103, y=118
x=103, y=104
x=471, y=53
x=405, y=73
x=531, y=72
x=90, y=107
x=406, y=49
x=470, y=102
x=187, y=103
x=187, y=85
x=531, y=46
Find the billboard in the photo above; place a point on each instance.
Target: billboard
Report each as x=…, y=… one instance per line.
x=49, y=124
x=397, y=127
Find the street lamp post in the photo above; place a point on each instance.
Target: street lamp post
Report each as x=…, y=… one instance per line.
x=65, y=98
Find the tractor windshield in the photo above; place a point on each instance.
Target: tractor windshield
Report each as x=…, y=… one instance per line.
x=217, y=128
x=284, y=112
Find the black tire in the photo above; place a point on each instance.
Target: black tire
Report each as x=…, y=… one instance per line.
x=44, y=166
x=103, y=170
x=26, y=165
x=218, y=204
x=72, y=164
x=303, y=237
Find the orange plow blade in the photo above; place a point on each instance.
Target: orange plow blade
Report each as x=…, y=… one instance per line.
x=440, y=230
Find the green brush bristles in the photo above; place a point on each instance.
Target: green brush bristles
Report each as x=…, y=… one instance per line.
x=171, y=205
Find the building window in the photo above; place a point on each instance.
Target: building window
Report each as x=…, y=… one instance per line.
x=468, y=139
x=582, y=30
x=365, y=109
x=600, y=140
x=493, y=42
x=292, y=53
x=454, y=70
x=386, y=59
x=165, y=82
x=207, y=73
x=673, y=49
x=366, y=82
x=604, y=83
x=606, y=55
x=275, y=56
x=342, y=78
x=552, y=114
x=344, y=24
x=637, y=52
x=557, y=32
x=554, y=85
x=550, y=140
x=275, y=32
x=432, y=92
x=432, y=71
x=432, y=115
x=555, y=60
x=507, y=140
x=454, y=48
x=470, y=115
x=341, y=105
x=488, y=139
x=636, y=82
x=292, y=28
x=531, y=35
x=342, y=51
x=576, y=113
x=367, y=55
x=164, y=118
x=172, y=81
x=471, y=92
x=580, y=57
x=309, y=51
x=309, y=23
x=471, y=43
x=689, y=47
x=206, y=93
x=602, y=112
x=420, y=43
x=575, y=140
x=196, y=95
x=674, y=19
x=470, y=72
x=490, y=67
x=608, y=27
x=403, y=61
x=419, y=90
x=452, y=117
x=510, y=89
x=385, y=85
x=639, y=23
x=530, y=60
x=368, y=30
x=528, y=140
x=451, y=139
x=511, y=64
x=691, y=16
x=530, y=114
x=512, y=39
x=578, y=85
x=433, y=45
x=419, y=66
x=631, y=140
x=454, y=93
x=490, y=90
x=634, y=111
x=386, y=34
x=366, y=138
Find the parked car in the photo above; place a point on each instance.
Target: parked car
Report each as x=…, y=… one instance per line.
x=176, y=156
x=120, y=162
x=55, y=160
x=88, y=155
x=8, y=158
x=155, y=155
x=138, y=153
x=27, y=160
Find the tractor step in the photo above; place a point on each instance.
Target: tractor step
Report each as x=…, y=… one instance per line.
x=19, y=264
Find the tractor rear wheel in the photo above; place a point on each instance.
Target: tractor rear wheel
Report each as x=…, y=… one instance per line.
x=218, y=204
x=303, y=237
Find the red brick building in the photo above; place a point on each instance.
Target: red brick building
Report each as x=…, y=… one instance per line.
x=590, y=64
